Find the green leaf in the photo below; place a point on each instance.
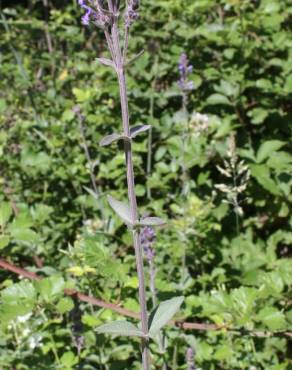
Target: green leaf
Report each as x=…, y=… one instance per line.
x=215, y=99
x=4, y=241
x=121, y=209
x=65, y=305
x=17, y=300
x=138, y=129
x=151, y=221
x=68, y=359
x=23, y=291
x=272, y=318
x=268, y=148
x=24, y=235
x=288, y=84
x=109, y=139
x=5, y=213
x=3, y=105
x=124, y=328
x=163, y=313
x=258, y=115
x=263, y=176
x=51, y=287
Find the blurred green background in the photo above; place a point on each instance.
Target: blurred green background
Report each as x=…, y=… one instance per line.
x=54, y=219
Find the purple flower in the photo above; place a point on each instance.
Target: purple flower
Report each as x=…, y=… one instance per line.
x=93, y=14
x=131, y=13
x=147, y=238
x=190, y=358
x=185, y=69
x=86, y=17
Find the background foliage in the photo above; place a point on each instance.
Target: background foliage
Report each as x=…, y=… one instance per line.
x=52, y=225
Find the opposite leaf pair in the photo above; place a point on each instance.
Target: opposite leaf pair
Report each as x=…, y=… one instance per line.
x=123, y=210
x=109, y=139
x=159, y=317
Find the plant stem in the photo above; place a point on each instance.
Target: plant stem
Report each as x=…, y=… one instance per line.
x=88, y=157
x=133, y=206
x=119, y=66
x=184, y=178
x=152, y=273
x=151, y=111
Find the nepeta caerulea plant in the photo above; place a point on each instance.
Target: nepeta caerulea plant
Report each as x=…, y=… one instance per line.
x=116, y=17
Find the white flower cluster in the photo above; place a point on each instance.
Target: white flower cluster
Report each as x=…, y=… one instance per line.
x=24, y=332
x=199, y=123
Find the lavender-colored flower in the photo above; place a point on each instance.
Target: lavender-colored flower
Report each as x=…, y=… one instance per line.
x=190, y=358
x=147, y=238
x=94, y=13
x=89, y=12
x=131, y=12
x=184, y=70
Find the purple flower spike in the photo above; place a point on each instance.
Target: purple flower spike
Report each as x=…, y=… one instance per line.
x=184, y=84
x=190, y=357
x=86, y=18
x=184, y=70
x=94, y=14
x=147, y=238
x=131, y=13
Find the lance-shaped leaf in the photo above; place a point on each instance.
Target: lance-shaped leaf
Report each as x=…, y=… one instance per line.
x=121, y=209
x=134, y=131
x=163, y=313
x=109, y=139
x=106, y=62
x=135, y=57
x=151, y=221
x=124, y=328
x=91, y=192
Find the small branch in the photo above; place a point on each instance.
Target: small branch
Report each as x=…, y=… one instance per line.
x=126, y=43
x=124, y=312
x=88, y=157
x=47, y=32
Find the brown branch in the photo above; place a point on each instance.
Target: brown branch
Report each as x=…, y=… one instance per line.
x=124, y=312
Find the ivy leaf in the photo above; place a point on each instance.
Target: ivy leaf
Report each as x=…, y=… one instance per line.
x=138, y=129
x=122, y=210
x=163, y=313
x=124, y=328
x=151, y=221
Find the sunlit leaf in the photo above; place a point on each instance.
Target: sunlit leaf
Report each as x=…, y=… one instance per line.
x=124, y=328
x=163, y=313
